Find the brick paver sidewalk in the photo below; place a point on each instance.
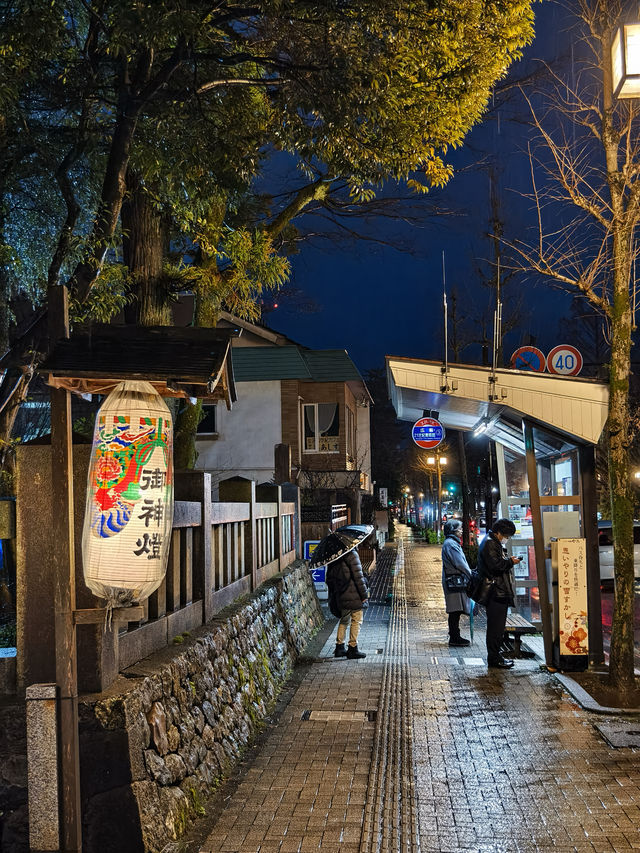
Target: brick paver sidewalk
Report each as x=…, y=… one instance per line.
x=459, y=758
x=306, y=790
x=503, y=761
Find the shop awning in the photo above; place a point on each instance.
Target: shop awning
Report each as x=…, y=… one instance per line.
x=469, y=397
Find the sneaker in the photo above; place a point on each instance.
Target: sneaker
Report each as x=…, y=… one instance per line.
x=459, y=642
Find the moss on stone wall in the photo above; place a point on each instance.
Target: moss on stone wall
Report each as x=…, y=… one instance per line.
x=168, y=736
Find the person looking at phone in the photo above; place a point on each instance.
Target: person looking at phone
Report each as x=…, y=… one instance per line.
x=494, y=562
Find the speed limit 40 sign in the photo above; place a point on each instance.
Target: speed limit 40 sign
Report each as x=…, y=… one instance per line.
x=564, y=360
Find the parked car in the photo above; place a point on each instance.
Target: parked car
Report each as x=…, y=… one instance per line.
x=605, y=548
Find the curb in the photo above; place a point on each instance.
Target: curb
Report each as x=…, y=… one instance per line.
x=586, y=701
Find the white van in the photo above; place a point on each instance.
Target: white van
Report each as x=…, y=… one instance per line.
x=605, y=548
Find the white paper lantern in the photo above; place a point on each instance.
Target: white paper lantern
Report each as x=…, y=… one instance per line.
x=129, y=508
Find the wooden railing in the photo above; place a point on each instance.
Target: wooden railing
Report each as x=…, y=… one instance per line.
x=220, y=550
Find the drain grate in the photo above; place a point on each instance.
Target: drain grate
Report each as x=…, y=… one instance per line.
x=340, y=716
x=620, y=735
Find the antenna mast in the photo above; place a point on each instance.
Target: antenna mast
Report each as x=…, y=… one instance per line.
x=444, y=302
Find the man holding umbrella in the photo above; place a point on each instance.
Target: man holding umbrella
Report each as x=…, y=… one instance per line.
x=348, y=592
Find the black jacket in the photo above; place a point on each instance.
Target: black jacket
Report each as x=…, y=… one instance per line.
x=346, y=575
x=494, y=563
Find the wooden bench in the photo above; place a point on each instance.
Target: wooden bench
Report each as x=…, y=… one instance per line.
x=518, y=626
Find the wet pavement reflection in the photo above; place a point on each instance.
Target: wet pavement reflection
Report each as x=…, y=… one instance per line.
x=504, y=761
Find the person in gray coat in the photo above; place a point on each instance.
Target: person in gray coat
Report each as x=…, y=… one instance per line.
x=346, y=578
x=455, y=574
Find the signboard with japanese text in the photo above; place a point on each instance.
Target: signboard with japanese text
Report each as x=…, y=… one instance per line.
x=383, y=495
x=129, y=508
x=427, y=433
x=572, y=596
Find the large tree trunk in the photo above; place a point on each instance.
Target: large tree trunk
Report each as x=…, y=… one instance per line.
x=18, y=381
x=144, y=246
x=621, y=664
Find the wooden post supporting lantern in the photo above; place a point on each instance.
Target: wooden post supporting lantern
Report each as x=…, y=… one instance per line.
x=625, y=61
x=130, y=485
x=63, y=565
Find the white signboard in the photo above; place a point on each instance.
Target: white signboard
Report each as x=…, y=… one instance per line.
x=572, y=597
x=383, y=495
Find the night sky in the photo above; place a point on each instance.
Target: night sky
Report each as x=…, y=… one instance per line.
x=374, y=300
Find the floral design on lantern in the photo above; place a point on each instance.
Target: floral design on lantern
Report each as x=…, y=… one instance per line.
x=121, y=456
x=129, y=509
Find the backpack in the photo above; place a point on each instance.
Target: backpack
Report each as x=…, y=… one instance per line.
x=334, y=607
x=336, y=588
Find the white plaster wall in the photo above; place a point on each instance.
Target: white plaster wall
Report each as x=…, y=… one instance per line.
x=247, y=435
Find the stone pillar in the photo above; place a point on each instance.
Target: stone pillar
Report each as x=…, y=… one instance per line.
x=42, y=764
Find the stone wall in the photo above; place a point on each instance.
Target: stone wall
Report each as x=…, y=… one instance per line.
x=155, y=745
x=13, y=776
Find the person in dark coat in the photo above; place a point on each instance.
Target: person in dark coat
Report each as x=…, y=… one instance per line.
x=346, y=577
x=493, y=562
x=455, y=569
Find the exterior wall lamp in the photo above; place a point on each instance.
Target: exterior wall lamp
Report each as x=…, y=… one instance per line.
x=625, y=61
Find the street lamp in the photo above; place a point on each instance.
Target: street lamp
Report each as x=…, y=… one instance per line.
x=625, y=61
x=438, y=461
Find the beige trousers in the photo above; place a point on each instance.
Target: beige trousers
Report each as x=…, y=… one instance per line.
x=352, y=619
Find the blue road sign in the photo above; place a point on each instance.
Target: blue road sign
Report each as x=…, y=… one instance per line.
x=319, y=574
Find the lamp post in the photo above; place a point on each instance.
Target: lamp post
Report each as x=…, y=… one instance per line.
x=438, y=461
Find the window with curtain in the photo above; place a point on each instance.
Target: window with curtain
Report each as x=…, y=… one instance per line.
x=321, y=428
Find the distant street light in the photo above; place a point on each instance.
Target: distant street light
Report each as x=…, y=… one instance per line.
x=636, y=474
x=625, y=61
x=438, y=461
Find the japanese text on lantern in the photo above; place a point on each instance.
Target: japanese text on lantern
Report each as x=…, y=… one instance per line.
x=572, y=597
x=129, y=510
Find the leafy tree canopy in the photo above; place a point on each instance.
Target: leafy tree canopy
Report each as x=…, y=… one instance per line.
x=193, y=96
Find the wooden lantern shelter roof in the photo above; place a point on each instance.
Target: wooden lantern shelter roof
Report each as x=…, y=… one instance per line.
x=178, y=362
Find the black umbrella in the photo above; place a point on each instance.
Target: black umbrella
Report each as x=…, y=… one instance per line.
x=335, y=544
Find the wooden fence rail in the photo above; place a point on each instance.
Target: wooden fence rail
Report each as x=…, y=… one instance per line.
x=219, y=551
